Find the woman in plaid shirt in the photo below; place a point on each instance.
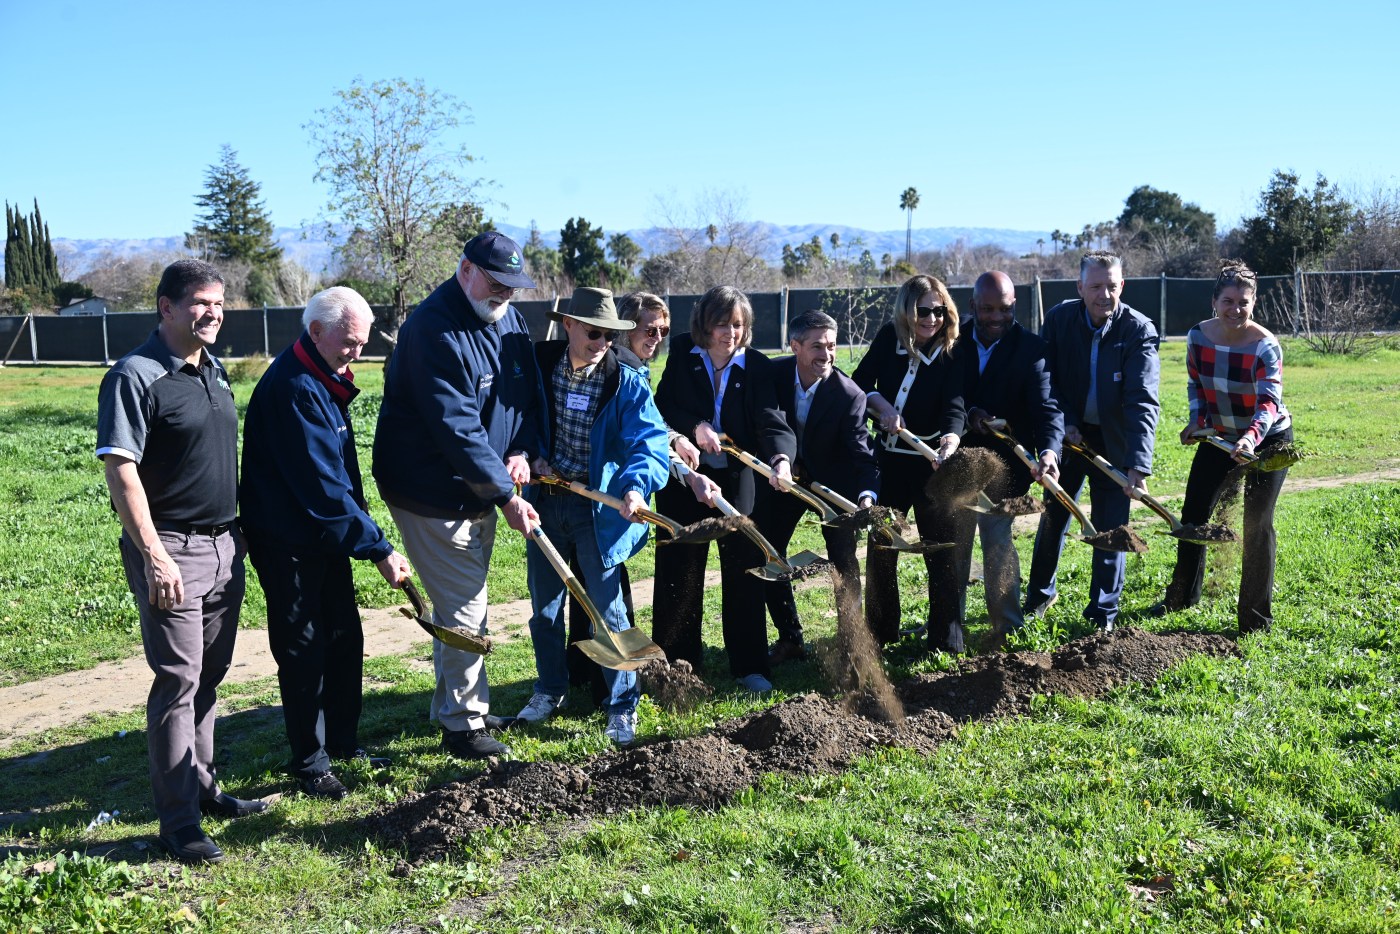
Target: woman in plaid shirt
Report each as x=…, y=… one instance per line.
x=1234, y=372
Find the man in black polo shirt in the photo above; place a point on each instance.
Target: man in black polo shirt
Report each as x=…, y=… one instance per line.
x=167, y=433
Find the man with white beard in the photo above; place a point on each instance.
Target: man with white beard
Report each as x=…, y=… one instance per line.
x=458, y=428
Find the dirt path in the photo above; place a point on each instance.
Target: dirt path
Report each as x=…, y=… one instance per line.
x=114, y=687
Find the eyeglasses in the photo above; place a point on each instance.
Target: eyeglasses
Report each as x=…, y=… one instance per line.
x=937, y=311
x=594, y=334
x=500, y=288
x=655, y=330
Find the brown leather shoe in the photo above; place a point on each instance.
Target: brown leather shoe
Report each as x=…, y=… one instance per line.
x=785, y=650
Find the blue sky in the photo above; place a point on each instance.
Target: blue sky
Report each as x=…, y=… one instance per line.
x=1013, y=115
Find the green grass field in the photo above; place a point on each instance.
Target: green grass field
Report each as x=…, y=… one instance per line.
x=1253, y=794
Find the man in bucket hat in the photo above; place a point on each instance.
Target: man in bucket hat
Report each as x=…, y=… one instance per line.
x=458, y=426
x=603, y=431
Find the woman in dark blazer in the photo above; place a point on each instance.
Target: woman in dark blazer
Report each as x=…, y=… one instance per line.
x=714, y=362
x=911, y=382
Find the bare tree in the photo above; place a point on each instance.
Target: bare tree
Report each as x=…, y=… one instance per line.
x=1332, y=313
x=396, y=175
x=711, y=242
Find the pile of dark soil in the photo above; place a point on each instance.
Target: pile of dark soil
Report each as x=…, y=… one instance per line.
x=1120, y=539
x=673, y=686
x=806, y=735
x=1020, y=506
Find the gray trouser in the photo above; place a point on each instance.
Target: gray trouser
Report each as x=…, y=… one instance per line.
x=190, y=649
x=451, y=558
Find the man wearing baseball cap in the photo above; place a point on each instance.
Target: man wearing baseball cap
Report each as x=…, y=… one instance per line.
x=458, y=427
x=603, y=431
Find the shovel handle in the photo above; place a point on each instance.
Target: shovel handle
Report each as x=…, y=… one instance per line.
x=1209, y=435
x=570, y=581
x=748, y=529
x=1120, y=478
x=995, y=426
x=918, y=444
x=753, y=463
x=836, y=499
x=598, y=496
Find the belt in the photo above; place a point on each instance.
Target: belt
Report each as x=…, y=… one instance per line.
x=205, y=531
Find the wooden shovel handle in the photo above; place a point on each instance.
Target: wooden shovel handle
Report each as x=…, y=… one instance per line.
x=573, y=584
x=836, y=499
x=995, y=425
x=1122, y=480
x=918, y=444
x=753, y=463
x=748, y=529
x=598, y=496
x=1208, y=435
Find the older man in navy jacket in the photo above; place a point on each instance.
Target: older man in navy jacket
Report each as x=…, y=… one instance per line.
x=1004, y=377
x=826, y=411
x=304, y=515
x=459, y=424
x=1104, y=373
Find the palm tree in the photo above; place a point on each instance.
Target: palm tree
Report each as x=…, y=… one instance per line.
x=1055, y=237
x=1039, y=245
x=907, y=203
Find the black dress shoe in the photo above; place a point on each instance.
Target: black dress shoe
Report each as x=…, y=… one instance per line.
x=325, y=785
x=227, y=806
x=496, y=724
x=785, y=650
x=190, y=845
x=359, y=755
x=472, y=744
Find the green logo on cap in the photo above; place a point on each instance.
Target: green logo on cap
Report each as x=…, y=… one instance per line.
x=514, y=260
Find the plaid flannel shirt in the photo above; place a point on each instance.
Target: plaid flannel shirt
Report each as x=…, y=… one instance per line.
x=1238, y=391
x=572, y=424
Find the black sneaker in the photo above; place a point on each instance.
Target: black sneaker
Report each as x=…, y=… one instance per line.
x=1039, y=610
x=473, y=744
x=325, y=785
x=227, y=806
x=190, y=845
x=359, y=755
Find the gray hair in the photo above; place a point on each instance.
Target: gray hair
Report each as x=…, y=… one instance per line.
x=809, y=321
x=1104, y=259
x=332, y=306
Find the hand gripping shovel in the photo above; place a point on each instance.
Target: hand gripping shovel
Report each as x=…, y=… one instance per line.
x=1198, y=534
x=1125, y=539
x=422, y=614
x=627, y=650
x=858, y=518
x=698, y=532
x=828, y=514
x=803, y=564
x=1274, y=457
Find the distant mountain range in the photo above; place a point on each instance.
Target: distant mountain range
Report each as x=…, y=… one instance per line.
x=309, y=247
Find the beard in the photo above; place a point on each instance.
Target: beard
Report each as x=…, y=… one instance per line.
x=488, y=312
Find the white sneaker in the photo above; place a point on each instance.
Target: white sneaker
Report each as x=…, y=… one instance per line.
x=540, y=707
x=622, y=727
x=755, y=683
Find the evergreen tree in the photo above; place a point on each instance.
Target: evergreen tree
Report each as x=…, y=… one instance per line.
x=235, y=224
x=30, y=262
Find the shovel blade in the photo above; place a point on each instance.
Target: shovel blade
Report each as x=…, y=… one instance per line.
x=772, y=571
x=456, y=638
x=604, y=655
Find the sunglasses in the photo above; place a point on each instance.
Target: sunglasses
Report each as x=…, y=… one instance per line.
x=662, y=330
x=593, y=334
x=937, y=311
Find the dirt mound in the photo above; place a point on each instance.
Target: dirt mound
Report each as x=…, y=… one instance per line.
x=674, y=686
x=804, y=735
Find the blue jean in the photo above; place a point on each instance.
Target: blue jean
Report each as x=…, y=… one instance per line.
x=1109, y=509
x=567, y=521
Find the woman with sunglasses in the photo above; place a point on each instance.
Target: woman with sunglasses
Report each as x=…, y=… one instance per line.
x=1234, y=370
x=714, y=383
x=911, y=382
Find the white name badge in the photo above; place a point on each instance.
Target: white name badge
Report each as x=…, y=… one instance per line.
x=576, y=402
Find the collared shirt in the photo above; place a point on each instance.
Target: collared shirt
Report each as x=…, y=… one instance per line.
x=718, y=460
x=1091, y=401
x=576, y=396
x=177, y=421
x=983, y=353
x=802, y=402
